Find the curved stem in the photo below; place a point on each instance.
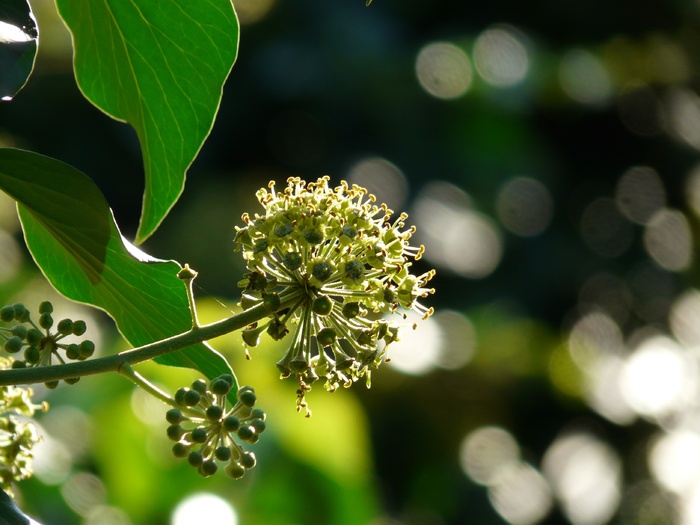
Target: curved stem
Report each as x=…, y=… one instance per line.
x=112, y=363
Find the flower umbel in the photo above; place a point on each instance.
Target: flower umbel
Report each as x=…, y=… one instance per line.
x=341, y=261
x=17, y=437
x=38, y=345
x=205, y=431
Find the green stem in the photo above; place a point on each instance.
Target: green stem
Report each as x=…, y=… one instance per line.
x=113, y=363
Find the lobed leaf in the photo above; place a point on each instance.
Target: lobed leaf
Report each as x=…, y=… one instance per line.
x=71, y=233
x=159, y=65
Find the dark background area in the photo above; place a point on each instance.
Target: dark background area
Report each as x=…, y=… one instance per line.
x=320, y=86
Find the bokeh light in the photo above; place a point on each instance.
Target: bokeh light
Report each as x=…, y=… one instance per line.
x=585, y=474
x=382, y=179
x=443, y=70
x=682, y=111
x=640, y=193
x=458, y=339
x=668, y=240
x=659, y=379
x=524, y=206
x=521, y=495
x=674, y=460
x=584, y=78
x=83, y=492
x=456, y=237
x=417, y=351
x=683, y=318
x=500, y=56
x=251, y=11
x=486, y=452
x=204, y=507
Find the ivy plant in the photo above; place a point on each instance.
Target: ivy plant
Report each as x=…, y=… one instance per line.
x=327, y=265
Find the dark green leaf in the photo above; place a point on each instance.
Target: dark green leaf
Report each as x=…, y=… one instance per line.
x=159, y=65
x=10, y=513
x=71, y=234
x=18, y=43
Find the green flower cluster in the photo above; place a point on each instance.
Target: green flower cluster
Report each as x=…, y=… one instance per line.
x=205, y=431
x=36, y=343
x=17, y=437
x=341, y=262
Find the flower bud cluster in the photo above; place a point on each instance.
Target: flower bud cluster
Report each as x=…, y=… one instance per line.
x=36, y=343
x=17, y=437
x=342, y=262
x=206, y=433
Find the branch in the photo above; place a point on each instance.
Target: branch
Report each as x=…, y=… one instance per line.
x=113, y=363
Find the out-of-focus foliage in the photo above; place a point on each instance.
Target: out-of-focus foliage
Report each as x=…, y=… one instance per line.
x=548, y=153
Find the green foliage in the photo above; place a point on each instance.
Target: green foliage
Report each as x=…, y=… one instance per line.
x=72, y=236
x=160, y=66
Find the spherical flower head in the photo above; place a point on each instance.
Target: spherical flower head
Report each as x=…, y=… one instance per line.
x=208, y=433
x=17, y=437
x=341, y=263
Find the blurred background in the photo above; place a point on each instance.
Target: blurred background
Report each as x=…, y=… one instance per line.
x=549, y=154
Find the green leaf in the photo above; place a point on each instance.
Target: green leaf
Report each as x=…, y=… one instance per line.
x=72, y=236
x=159, y=65
x=19, y=39
x=10, y=513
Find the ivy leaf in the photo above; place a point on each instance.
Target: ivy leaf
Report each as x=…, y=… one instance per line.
x=159, y=65
x=19, y=39
x=10, y=513
x=71, y=233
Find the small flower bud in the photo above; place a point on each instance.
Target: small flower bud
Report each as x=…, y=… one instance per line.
x=20, y=331
x=7, y=313
x=86, y=349
x=65, y=327
x=175, y=432
x=46, y=321
x=199, y=435
x=195, y=458
x=222, y=453
x=246, y=432
x=180, y=395
x=31, y=354
x=192, y=398
x=79, y=328
x=322, y=306
x=200, y=385
x=246, y=396
x=214, y=412
x=73, y=351
x=326, y=336
x=222, y=385
x=235, y=471
x=272, y=302
x=13, y=345
x=45, y=307
x=351, y=310
x=248, y=460
x=209, y=468
x=180, y=450
x=231, y=423
x=21, y=313
x=292, y=261
x=34, y=337
x=174, y=416
x=259, y=425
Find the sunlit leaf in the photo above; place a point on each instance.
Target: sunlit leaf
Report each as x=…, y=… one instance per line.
x=18, y=44
x=160, y=66
x=72, y=236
